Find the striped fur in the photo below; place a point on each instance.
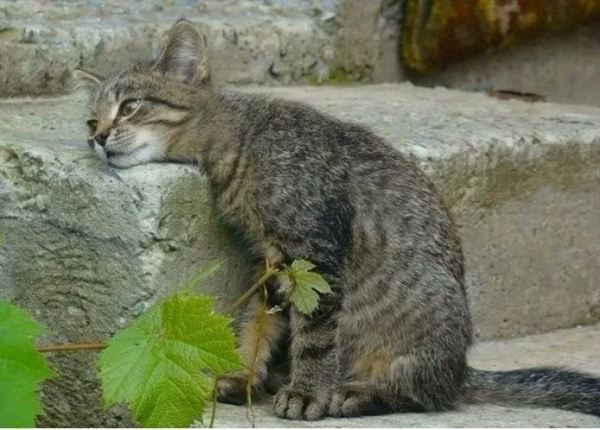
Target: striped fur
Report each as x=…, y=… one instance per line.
x=394, y=334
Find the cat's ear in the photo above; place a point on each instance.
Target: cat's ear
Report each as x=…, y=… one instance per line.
x=184, y=56
x=88, y=80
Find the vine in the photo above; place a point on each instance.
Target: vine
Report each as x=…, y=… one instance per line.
x=164, y=366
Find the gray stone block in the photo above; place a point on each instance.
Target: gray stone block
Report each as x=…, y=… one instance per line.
x=250, y=42
x=89, y=247
x=274, y=42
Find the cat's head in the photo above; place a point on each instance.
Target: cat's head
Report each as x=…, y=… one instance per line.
x=136, y=115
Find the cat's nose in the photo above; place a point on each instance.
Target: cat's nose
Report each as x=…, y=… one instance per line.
x=101, y=138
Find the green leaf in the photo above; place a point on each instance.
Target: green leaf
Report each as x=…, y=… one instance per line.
x=163, y=364
x=305, y=286
x=22, y=367
x=2, y=239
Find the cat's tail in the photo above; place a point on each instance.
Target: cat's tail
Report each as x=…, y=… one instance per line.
x=541, y=386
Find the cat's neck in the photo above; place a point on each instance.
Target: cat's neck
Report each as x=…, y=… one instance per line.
x=213, y=137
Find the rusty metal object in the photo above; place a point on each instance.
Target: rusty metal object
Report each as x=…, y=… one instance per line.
x=439, y=31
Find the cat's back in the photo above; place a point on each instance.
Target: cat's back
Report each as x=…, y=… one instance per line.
x=280, y=127
x=285, y=137
x=298, y=151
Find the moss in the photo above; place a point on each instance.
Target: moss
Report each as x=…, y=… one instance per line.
x=7, y=32
x=336, y=76
x=564, y=168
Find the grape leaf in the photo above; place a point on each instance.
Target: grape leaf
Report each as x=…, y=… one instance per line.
x=162, y=365
x=22, y=367
x=305, y=286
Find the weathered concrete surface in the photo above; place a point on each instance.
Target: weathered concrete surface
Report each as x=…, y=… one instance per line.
x=269, y=42
x=273, y=42
x=367, y=42
x=577, y=348
x=89, y=247
x=249, y=42
x=564, y=68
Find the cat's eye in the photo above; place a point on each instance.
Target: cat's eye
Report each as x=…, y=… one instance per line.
x=128, y=107
x=92, y=126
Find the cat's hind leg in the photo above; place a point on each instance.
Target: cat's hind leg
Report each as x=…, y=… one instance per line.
x=416, y=382
x=259, y=334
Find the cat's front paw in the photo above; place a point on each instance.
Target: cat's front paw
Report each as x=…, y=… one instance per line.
x=232, y=389
x=297, y=404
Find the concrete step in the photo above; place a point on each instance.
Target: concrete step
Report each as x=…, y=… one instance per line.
x=90, y=247
x=269, y=42
x=577, y=348
x=274, y=42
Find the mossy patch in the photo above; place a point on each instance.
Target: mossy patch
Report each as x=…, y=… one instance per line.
x=515, y=176
x=336, y=76
x=7, y=32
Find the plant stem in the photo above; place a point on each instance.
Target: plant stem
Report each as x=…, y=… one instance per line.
x=269, y=273
x=214, y=405
x=73, y=347
x=260, y=328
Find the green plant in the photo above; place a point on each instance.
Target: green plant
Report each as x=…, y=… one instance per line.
x=22, y=367
x=174, y=351
x=305, y=286
x=164, y=366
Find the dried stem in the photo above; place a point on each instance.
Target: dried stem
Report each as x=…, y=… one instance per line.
x=260, y=328
x=213, y=412
x=269, y=273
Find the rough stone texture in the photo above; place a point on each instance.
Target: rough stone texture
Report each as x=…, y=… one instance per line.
x=577, y=348
x=273, y=42
x=249, y=42
x=564, y=68
x=269, y=42
x=367, y=41
x=89, y=247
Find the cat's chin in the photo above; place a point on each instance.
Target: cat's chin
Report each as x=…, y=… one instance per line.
x=124, y=161
x=141, y=155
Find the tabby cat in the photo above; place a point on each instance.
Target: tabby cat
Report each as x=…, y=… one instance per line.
x=394, y=334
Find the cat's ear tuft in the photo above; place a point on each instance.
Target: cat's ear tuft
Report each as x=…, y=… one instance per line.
x=85, y=79
x=184, y=56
